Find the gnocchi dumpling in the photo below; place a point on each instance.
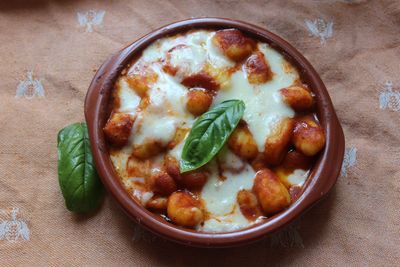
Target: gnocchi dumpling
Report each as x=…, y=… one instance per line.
x=157, y=203
x=271, y=193
x=278, y=142
x=189, y=180
x=118, y=129
x=184, y=209
x=248, y=204
x=161, y=183
x=297, y=97
x=242, y=143
x=233, y=44
x=308, y=136
x=257, y=69
x=199, y=101
x=147, y=149
x=296, y=160
x=141, y=79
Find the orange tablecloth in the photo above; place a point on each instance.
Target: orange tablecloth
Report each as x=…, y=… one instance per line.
x=49, y=56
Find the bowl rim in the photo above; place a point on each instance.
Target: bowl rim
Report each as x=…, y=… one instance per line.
x=322, y=178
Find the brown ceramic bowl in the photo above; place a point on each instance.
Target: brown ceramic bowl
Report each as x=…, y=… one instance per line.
x=323, y=175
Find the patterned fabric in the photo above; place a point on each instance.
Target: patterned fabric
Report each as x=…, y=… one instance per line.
x=49, y=53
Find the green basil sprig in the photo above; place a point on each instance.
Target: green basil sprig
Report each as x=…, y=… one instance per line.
x=79, y=182
x=209, y=133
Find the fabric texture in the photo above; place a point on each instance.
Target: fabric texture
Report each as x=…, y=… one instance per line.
x=50, y=51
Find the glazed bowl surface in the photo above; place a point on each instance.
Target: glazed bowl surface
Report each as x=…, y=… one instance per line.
x=322, y=177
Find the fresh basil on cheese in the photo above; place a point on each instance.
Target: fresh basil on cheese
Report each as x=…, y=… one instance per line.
x=209, y=133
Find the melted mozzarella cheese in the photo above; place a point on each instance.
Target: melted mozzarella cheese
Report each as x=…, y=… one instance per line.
x=148, y=127
x=225, y=223
x=165, y=113
x=188, y=59
x=119, y=161
x=129, y=100
x=219, y=195
x=143, y=197
x=229, y=161
x=298, y=177
x=264, y=105
x=216, y=58
x=176, y=152
x=193, y=51
x=168, y=96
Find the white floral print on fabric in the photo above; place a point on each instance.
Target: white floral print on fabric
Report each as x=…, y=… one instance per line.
x=350, y=158
x=30, y=87
x=140, y=234
x=90, y=18
x=388, y=98
x=12, y=228
x=288, y=237
x=320, y=28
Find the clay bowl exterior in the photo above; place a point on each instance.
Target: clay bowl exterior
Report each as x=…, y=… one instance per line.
x=322, y=178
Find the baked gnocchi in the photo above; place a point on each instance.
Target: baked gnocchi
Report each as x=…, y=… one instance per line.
x=198, y=101
x=260, y=170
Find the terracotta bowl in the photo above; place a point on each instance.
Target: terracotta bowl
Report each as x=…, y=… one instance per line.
x=323, y=175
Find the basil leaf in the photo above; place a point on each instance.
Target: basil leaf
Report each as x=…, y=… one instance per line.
x=209, y=133
x=79, y=182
